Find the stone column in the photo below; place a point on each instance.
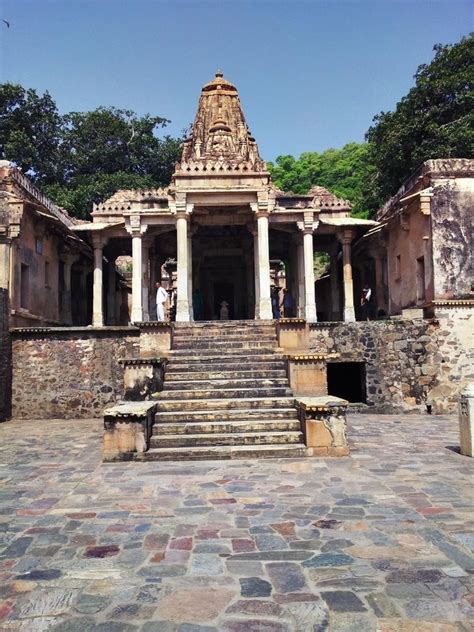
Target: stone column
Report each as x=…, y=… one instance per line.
x=265, y=304
x=137, y=283
x=309, y=294
x=98, y=242
x=14, y=299
x=346, y=239
x=256, y=273
x=190, y=273
x=112, y=294
x=66, y=307
x=300, y=275
x=335, y=309
x=145, y=277
x=182, y=303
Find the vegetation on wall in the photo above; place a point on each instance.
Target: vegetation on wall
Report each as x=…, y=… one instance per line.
x=84, y=157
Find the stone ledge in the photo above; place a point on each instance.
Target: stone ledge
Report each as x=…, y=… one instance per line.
x=152, y=324
x=454, y=303
x=292, y=321
x=320, y=404
x=142, y=361
x=308, y=357
x=130, y=409
x=74, y=330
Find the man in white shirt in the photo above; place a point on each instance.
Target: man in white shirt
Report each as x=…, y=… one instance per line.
x=161, y=298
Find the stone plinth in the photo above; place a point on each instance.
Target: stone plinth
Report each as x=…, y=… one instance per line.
x=323, y=423
x=307, y=373
x=155, y=336
x=466, y=420
x=293, y=333
x=127, y=430
x=142, y=377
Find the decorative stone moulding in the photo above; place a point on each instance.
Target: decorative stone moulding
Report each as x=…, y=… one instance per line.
x=323, y=424
x=454, y=303
x=127, y=430
x=142, y=377
x=154, y=336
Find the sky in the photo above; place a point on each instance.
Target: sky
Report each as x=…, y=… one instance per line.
x=311, y=74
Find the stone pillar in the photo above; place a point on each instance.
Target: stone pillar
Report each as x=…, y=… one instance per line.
x=256, y=273
x=137, y=283
x=145, y=277
x=112, y=294
x=309, y=294
x=14, y=299
x=335, y=309
x=190, y=273
x=66, y=307
x=346, y=239
x=300, y=276
x=153, y=280
x=5, y=340
x=182, y=303
x=98, y=242
x=265, y=304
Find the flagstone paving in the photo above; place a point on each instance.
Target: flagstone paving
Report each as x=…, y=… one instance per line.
x=381, y=540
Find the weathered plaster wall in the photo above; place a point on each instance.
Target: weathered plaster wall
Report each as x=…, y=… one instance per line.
x=409, y=363
x=451, y=215
x=69, y=373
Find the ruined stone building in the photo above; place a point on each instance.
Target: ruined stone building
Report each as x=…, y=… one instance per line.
x=223, y=222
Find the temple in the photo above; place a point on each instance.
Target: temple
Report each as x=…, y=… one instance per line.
x=224, y=222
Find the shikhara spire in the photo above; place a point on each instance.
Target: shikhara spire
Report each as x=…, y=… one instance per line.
x=220, y=137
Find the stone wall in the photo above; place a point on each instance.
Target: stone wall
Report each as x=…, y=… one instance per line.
x=5, y=357
x=410, y=364
x=69, y=372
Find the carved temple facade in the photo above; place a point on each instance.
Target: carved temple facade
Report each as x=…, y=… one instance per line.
x=223, y=221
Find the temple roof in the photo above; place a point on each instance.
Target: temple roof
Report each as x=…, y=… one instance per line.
x=220, y=138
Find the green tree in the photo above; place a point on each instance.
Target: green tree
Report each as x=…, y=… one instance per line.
x=434, y=120
x=344, y=172
x=30, y=132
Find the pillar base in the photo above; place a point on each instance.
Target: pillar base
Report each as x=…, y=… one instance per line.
x=310, y=314
x=265, y=309
x=136, y=315
x=349, y=315
x=182, y=311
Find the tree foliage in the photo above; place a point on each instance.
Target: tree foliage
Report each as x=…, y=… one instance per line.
x=434, y=120
x=83, y=157
x=344, y=172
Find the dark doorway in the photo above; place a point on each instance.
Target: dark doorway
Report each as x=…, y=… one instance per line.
x=347, y=380
x=224, y=292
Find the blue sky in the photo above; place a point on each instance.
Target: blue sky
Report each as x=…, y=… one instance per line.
x=311, y=73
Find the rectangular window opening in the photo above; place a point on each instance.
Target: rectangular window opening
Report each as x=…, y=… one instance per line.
x=348, y=381
x=24, y=286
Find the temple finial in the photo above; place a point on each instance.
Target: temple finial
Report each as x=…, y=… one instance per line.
x=219, y=73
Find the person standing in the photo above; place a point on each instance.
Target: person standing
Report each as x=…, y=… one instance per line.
x=365, y=301
x=161, y=298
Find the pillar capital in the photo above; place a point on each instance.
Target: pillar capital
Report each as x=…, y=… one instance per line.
x=135, y=225
x=99, y=240
x=260, y=209
x=308, y=224
x=346, y=236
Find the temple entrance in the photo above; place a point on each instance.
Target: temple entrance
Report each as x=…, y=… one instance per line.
x=223, y=271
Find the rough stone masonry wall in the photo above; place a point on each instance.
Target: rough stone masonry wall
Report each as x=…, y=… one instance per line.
x=409, y=363
x=5, y=357
x=69, y=373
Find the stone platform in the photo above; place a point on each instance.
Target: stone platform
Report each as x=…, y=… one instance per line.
x=379, y=540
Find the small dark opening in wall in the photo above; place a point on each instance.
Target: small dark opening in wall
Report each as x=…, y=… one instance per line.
x=347, y=380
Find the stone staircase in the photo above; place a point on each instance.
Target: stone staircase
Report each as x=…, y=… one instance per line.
x=226, y=395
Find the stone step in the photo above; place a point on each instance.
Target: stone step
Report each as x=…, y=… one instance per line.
x=206, y=405
x=227, y=415
x=219, y=343
x=181, y=356
x=244, y=383
x=224, y=324
x=295, y=450
x=180, y=374
x=258, y=425
x=219, y=351
x=226, y=393
x=225, y=439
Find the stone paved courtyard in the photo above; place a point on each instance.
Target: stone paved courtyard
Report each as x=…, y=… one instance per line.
x=380, y=540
